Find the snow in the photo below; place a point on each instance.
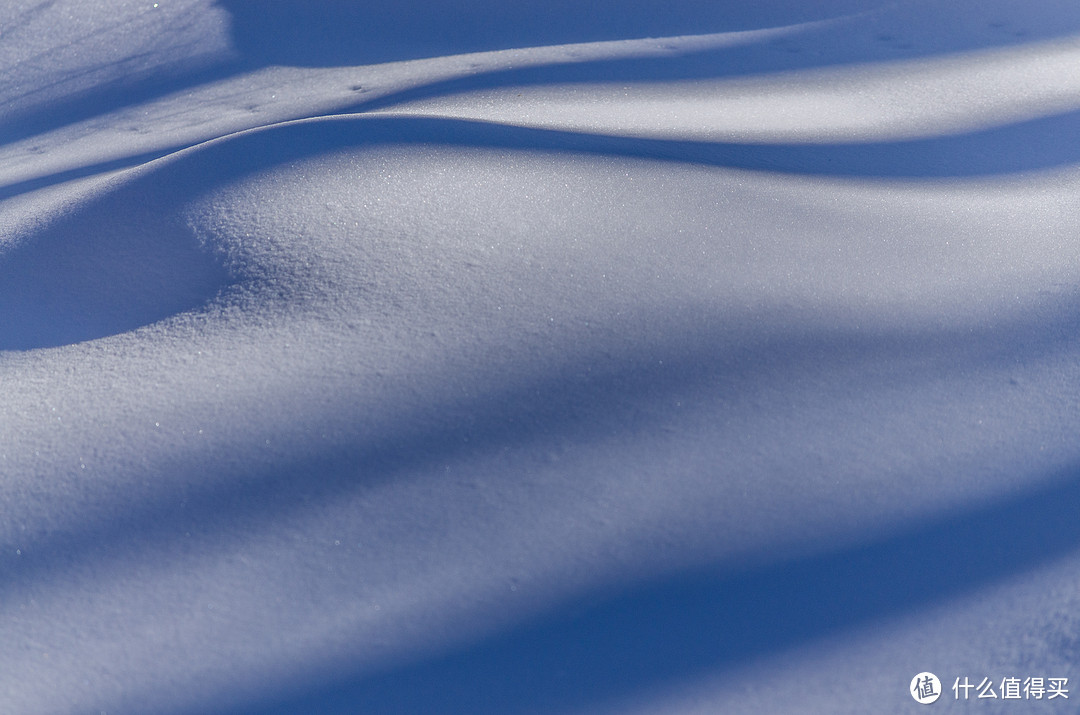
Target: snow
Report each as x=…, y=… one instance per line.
x=610, y=358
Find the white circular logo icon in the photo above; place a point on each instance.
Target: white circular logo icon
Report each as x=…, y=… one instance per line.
x=925, y=688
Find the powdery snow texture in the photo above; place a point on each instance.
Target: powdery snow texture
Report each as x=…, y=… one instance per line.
x=631, y=358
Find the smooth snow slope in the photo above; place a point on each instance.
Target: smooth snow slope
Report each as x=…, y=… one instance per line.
x=625, y=358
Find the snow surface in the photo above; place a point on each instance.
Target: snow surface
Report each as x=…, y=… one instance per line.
x=537, y=357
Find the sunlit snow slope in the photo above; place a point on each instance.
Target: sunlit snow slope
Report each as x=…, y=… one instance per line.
x=538, y=357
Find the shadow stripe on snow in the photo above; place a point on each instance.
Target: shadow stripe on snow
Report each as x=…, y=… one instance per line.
x=619, y=647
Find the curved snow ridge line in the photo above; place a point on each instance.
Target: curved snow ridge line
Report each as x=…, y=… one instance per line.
x=868, y=102
x=1032, y=145
x=297, y=90
x=819, y=105
x=68, y=281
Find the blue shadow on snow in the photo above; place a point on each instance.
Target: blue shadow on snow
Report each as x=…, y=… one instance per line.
x=126, y=262
x=615, y=647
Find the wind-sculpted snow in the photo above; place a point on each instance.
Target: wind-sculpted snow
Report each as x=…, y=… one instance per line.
x=107, y=268
x=630, y=375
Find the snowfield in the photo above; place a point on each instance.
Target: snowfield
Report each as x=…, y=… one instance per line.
x=539, y=357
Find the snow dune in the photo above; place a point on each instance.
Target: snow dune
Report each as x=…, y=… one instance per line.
x=706, y=357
